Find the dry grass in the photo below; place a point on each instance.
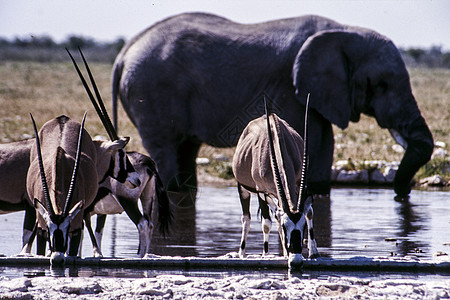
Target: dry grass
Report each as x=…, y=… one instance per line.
x=49, y=90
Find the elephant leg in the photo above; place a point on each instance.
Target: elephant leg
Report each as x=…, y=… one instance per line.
x=266, y=222
x=186, y=179
x=170, y=161
x=244, y=196
x=320, y=154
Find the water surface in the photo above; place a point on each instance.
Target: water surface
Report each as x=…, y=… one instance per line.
x=353, y=222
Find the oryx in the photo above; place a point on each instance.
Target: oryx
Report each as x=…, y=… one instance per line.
x=14, y=164
x=117, y=197
x=69, y=165
x=270, y=161
x=114, y=197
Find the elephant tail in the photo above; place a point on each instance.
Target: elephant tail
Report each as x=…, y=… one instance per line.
x=116, y=76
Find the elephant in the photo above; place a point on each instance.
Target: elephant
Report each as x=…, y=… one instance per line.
x=198, y=78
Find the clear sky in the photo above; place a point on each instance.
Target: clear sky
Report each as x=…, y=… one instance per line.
x=409, y=23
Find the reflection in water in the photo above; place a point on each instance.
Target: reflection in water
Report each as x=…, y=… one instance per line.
x=181, y=240
x=354, y=222
x=322, y=221
x=113, y=235
x=410, y=223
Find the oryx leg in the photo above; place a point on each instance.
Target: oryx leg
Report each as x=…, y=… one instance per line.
x=266, y=222
x=74, y=242
x=275, y=210
x=41, y=241
x=312, y=245
x=146, y=226
x=130, y=206
x=29, y=228
x=99, y=226
x=244, y=196
x=95, y=248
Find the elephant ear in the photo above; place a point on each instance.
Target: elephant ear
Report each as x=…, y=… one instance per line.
x=323, y=68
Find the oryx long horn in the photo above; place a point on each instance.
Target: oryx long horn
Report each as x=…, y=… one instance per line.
x=302, y=190
x=75, y=168
x=47, y=202
x=281, y=191
x=99, y=107
x=99, y=98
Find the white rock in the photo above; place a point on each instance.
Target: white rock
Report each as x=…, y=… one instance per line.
x=440, y=144
x=377, y=176
x=434, y=180
x=439, y=152
x=220, y=157
x=202, y=161
x=398, y=148
x=389, y=174
x=361, y=176
x=334, y=174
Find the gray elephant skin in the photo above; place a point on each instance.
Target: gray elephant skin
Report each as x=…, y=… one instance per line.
x=198, y=78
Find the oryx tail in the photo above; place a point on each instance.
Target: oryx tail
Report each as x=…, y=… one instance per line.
x=164, y=211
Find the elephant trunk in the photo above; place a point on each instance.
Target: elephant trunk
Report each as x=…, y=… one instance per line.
x=418, y=152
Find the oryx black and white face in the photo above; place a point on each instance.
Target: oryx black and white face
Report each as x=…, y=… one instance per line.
x=293, y=232
x=293, y=226
x=58, y=227
x=114, y=163
x=123, y=170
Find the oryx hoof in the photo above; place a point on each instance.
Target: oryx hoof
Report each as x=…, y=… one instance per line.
x=97, y=254
x=295, y=261
x=57, y=259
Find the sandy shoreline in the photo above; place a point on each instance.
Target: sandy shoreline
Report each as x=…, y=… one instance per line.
x=405, y=285
x=234, y=287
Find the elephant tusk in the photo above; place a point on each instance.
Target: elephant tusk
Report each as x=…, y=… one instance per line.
x=399, y=138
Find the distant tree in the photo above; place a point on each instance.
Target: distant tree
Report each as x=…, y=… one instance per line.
x=43, y=41
x=446, y=59
x=118, y=44
x=415, y=53
x=74, y=41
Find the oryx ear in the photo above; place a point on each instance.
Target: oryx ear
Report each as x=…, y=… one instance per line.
x=117, y=144
x=75, y=210
x=41, y=210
